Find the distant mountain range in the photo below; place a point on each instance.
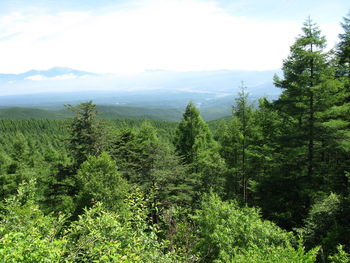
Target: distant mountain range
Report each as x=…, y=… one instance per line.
x=53, y=73
x=212, y=91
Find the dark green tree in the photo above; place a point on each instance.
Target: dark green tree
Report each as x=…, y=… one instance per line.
x=86, y=135
x=149, y=162
x=302, y=141
x=99, y=181
x=243, y=112
x=237, y=147
x=343, y=49
x=192, y=135
x=304, y=70
x=195, y=144
x=335, y=164
x=337, y=117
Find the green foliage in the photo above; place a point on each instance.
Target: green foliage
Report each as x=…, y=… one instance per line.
x=86, y=136
x=343, y=49
x=26, y=234
x=192, y=135
x=244, y=135
x=99, y=181
x=225, y=229
x=137, y=191
x=213, y=171
x=146, y=160
x=15, y=113
x=277, y=254
x=319, y=225
x=106, y=112
x=136, y=151
x=194, y=143
x=180, y=233
x=341, y=256
x=326, y=224
x=102, y=236
x=303, y=145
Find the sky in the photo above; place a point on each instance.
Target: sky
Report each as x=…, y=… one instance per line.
x=129, y=36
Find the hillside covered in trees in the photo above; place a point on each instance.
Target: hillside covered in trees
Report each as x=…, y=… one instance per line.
x=268, y=184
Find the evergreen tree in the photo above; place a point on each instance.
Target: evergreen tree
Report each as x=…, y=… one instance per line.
x=327, y=224
x=147, y=161
x=237, y=148
x=192, y=135
x=124, y=150
x=243, y=112
x=99, y=181
x=135, y=151
x=195, y=144
x=343, y=49
x=86, y=135
x=337, y=117
x=302, y=139
x=303, y=71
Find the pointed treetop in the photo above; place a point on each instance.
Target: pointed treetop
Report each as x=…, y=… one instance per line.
x=192, y=134
x=311, y=35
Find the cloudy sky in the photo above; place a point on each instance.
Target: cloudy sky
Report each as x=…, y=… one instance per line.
x=126, y=36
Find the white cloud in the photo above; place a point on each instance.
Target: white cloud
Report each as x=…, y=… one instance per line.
x=65, y=77
x=173, y=35
x=331, y=30
x=36, y=77
x=59, y=77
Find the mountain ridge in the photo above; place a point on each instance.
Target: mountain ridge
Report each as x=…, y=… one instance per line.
x=52, y=72
x=212, y=91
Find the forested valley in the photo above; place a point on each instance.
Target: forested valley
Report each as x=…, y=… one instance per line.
x=268, y=184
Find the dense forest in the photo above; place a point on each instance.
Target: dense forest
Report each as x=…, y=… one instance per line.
x=268, y=184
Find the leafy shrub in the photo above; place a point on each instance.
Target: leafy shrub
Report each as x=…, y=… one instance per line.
x=228, y=233
x=340, y=257
x=26, y=234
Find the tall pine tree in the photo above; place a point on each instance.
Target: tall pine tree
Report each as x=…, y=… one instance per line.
x=192, y=135
x=195, y=144
x=86, y=135
x=303, y=71
x=306, y=75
